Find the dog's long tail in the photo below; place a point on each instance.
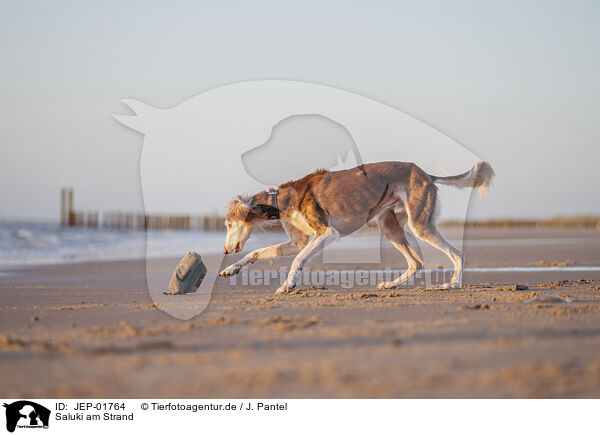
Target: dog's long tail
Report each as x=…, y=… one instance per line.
x=478, y=177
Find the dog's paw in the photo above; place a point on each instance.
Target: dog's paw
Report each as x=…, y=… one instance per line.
x=285, y=288
x=449, y=286
x=230, y=271
x=386, y=285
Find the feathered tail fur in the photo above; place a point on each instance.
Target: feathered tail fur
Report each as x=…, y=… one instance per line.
x=478, y=177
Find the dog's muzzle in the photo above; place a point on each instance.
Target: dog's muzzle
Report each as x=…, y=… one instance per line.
x=238, y=248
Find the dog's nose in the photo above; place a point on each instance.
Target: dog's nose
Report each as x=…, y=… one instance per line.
x=225, y=251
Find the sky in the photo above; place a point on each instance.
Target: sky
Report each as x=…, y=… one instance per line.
x=515, y=82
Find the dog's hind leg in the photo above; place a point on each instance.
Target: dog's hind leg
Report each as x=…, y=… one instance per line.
x=421, y=221
x=391, y=226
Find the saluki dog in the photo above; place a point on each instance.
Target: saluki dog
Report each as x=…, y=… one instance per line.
x=328, y=205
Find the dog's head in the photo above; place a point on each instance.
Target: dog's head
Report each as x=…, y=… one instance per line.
x=243, y=215
x=297, y=146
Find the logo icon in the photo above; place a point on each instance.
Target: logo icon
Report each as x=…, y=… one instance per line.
x=26, y=414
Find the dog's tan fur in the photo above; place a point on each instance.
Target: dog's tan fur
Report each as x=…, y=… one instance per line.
x=327, y=205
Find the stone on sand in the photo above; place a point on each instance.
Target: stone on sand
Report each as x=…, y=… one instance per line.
x=188, y=274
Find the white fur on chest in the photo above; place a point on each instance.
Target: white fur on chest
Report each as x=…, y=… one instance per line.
x=298, y=221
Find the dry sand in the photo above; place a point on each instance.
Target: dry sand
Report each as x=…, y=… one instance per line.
x=91, y=330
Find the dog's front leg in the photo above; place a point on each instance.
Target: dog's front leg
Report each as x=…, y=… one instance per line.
x=309, y=251
x=279, y=250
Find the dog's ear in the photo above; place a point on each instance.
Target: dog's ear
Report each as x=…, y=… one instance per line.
x=244, y=204
x=238, y=208
x=251, y=208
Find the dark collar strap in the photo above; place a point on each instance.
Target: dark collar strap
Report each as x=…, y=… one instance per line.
x=273, y=212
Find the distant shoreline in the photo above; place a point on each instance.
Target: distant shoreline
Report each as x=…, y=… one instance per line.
x=570, y=222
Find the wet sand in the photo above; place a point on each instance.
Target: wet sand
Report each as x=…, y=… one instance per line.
x=92, y=330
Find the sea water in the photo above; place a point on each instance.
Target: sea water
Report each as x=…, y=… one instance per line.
x=33, y=243
x=36, y=243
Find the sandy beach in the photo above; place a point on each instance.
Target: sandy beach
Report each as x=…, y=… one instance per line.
x=92, y=330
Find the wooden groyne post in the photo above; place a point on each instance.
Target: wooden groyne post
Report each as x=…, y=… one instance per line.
x=67, y=215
